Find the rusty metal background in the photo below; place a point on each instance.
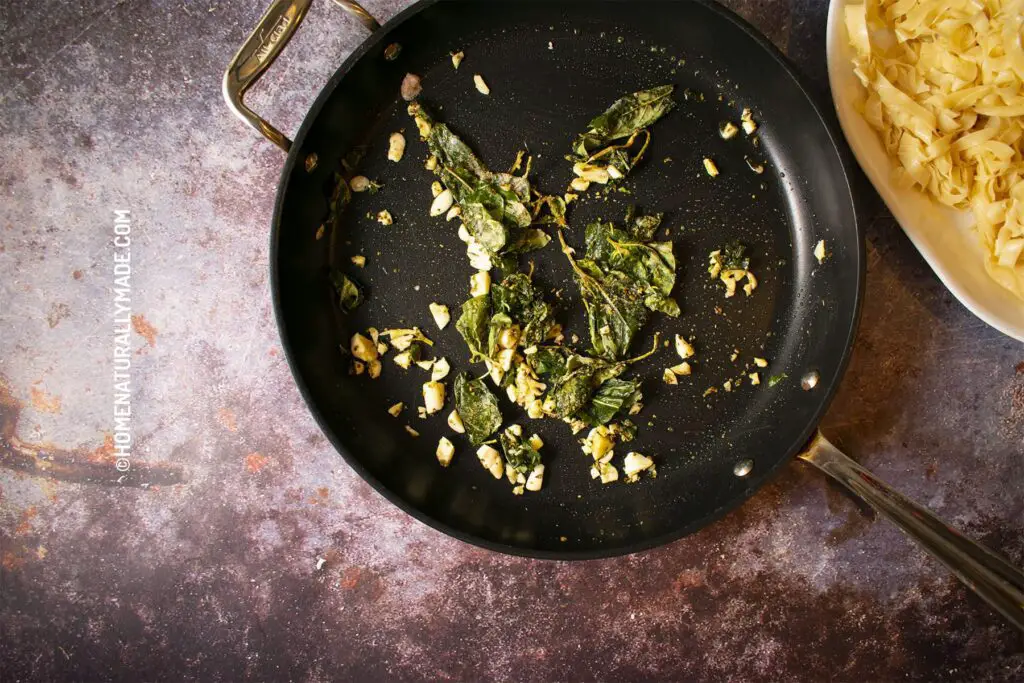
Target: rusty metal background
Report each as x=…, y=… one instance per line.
x=203, y=561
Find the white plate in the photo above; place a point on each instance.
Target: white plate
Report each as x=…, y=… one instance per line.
x=942, y=235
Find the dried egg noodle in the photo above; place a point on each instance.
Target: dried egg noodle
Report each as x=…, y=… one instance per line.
x=944, y=90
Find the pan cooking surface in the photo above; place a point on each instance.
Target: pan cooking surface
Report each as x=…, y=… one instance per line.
x=551, y=67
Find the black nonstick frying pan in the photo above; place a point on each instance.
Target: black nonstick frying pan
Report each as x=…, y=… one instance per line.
x=552, y=66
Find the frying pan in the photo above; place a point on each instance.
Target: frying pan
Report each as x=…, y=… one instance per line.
x=551, y=67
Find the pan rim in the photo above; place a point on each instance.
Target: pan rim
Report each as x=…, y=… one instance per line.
x=763, y=478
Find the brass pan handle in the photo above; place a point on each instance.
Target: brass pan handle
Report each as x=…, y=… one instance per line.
x=275, y=28
x=989, y=575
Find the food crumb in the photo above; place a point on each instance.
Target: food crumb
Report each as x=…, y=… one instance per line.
x=384, y=217
x=457, y=58
x=819, y=251
x=481, y=85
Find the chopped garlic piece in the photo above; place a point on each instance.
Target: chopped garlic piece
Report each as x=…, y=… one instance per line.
x=819, y=251
x=509, y=337
x=761, y=362
x=404, y=359
x=536, y=443
x=441, y=370
x=363, y=348
x=433, y=397
x=684, y=348
x=715, y=264
x=441, y=315
x=491, y=460
x=580, y=185
x=436, y=188
x=396, y=147
x=478, y=256
x=359, y=184
x=634, y=464
x=710, y=167
x=536, y=479
x=535, y=409
x=727, y=385
x=358, y=368
x=748, y=123
x=669, y=377
x=384, y=217
x=373, y=368
x=606, y=471
x=426, y=365
x=431, y=163
x=445, y=451
x=481, y=86
x=453, y=213
x=396, y=409
x=359, y=260
x=518, y=490
x=728, y=130
x=480, y=283
x=682, y=370
x=457, y=58
x=442, y=203
x=593, y=173
x=598, y=444
x=412, y=432
x=755, y=378
x=455, y=422
x=751, y=284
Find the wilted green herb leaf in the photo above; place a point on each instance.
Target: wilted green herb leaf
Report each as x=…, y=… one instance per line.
x=477, y=407
x=775, y=379
x=733, y=256
x=496, y=207
x=350, y=295
x=614, y=397
x=517, y=297
x=519, y=454
x=473, y=325
x=549, y=361
x=628, y=118
x=572, y=390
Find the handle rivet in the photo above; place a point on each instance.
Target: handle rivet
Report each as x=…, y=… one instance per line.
x=392, y=51
x=810, y=380
x=743, y=468
x=311, y=161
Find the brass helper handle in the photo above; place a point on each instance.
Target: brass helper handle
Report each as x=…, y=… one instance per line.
x=275, y=28
x=989, y=575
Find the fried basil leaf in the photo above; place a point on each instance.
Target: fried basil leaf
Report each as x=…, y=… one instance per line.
x=474, y=324
x=517, y=298
x=496, y=207
x=734, y=256
x=477, y=407
x=651, y=265
x=549, y=362
x=519, y=454
x=350, y=294
x=573, y=389
x=615, y=308
x=625, y=117
x=614, y=397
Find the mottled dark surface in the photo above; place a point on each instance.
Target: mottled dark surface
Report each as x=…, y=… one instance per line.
x=203, y=561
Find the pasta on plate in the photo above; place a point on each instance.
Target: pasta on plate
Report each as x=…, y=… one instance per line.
x=945, y=91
